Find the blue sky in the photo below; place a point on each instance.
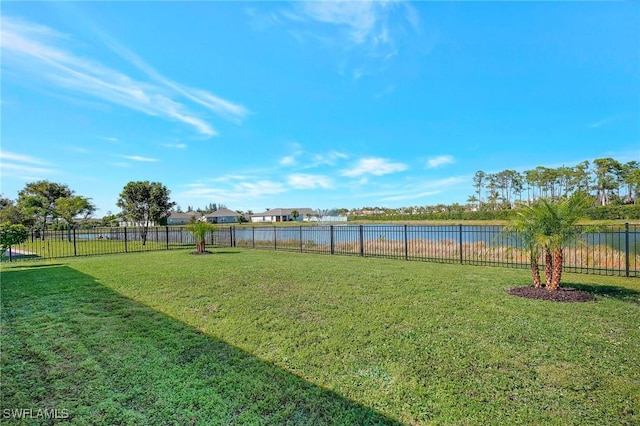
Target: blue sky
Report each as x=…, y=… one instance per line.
x=259, y=105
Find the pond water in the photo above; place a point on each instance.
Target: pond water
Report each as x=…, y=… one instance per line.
x=613, y=237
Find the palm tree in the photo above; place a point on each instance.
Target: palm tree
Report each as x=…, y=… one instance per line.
x=561, y=230
x=547, y=227
x=199, y=229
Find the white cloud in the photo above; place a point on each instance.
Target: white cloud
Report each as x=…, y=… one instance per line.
x=288, y=160
x=370, y=27
x=79, y=149
x=416, y=190
x=10, y=169
x=262, y=187
x=309, y=181
x=140, y=158
x=240, y=191
x=602, y=122
x=175, y=145
x=35, y=51
x=359, y=18
x=374, y=166
x=23, y=166
x=329, y=159
x=440, y=160
x=20, y=158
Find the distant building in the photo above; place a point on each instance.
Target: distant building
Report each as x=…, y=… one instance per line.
x=328, y=219
x=177, y=218
x=284, y=215
x=223, y=215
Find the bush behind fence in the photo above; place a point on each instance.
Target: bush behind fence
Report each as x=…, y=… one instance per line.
x=612, y=250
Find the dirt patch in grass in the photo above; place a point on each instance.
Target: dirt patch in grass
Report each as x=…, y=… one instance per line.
x=201, y=252
x=559, y=295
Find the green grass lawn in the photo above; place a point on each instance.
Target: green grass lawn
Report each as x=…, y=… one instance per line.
x=264, y=337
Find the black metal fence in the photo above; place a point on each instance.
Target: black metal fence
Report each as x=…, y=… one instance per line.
x=611, y=250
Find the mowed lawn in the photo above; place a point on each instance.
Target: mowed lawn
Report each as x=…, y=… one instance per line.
x=263, y=337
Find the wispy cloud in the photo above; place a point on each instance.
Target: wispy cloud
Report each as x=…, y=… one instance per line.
x=288, y=160
x=309, y=181
x=140, y=158
x=374, y=166
x=601, y=123
x=78, y=149
x=12, y=169
x=238, y=191
x=369, y=27
x=307, y=160
x=417, y=191
x=175, y=145
x=37, y=51
x=23, y=166
x=440, y=160
x=360, y=19
x=329, y=159
x=20, y=158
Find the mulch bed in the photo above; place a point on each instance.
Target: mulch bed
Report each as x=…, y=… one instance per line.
x=560, y=295
x=204, y=252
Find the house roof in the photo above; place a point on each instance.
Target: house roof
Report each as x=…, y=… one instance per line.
x=185, y=215
x=286, y=212
x=223, y=212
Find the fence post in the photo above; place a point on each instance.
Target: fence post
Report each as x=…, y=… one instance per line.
x=460, y=241
x=332, y=240
x=75, y=252
x=167, y=232
x=253, y=237
x=275, y=238
x=232, y=236
x=300, y=238
x=361, y=238
x=125, y=240
x=626, y=249
x=406, y=244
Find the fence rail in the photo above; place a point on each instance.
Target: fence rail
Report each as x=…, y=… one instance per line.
x=611, y=250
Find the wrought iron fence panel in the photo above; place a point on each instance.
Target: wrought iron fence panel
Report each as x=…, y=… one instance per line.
x=604, y=250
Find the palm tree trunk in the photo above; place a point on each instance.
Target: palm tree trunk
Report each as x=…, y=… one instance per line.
x=535, y=271
x=548, y=266
x=557, y=268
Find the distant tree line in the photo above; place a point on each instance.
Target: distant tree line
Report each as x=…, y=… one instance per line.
x=606, y=179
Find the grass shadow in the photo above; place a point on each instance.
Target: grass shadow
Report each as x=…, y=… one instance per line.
x=615, y=292
x=226, y=251
x=72, y=345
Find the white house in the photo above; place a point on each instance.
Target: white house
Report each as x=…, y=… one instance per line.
x=284, y=215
